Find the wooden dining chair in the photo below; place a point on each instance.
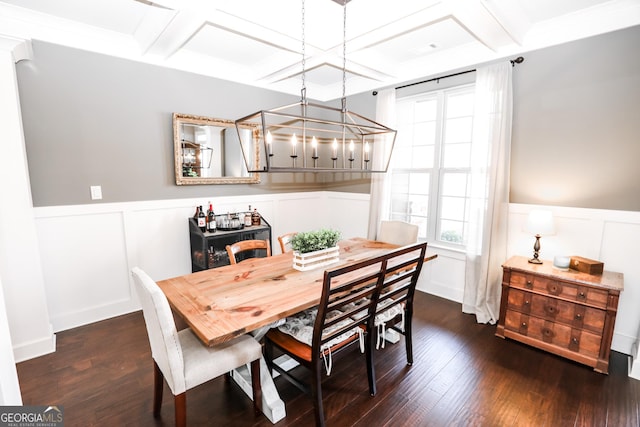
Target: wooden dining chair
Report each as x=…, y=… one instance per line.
x=247, y=245
x=285, y=242
x=398, y=233
x=182, y=359
x=395, y=302
x=314, y=337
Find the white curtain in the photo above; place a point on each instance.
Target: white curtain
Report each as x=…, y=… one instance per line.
x=486, y=214
x=378, y=210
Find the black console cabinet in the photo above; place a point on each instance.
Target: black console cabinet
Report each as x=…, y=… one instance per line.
x=208, y=250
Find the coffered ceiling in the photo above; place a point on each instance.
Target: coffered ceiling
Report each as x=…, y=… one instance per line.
x=259, y=42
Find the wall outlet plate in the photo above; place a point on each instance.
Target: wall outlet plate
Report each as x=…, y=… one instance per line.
x=96, y=192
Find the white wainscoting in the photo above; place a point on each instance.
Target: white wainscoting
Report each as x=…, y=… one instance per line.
x=87, y=251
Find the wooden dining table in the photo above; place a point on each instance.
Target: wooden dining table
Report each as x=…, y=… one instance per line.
x=225, y=302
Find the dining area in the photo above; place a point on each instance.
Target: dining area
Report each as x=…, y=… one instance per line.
x=239, y=321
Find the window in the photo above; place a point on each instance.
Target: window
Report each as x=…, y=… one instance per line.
x=431, y=163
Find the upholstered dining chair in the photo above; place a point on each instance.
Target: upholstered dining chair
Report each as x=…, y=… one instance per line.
x=182, y=359
x=315, y=336
x=247, y=245
x=398, y=232
x=285, y=241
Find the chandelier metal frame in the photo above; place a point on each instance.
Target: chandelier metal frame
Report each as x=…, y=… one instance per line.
x=331, y=139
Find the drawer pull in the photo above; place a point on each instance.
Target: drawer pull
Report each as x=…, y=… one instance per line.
x=526, y=302
x=578, y=316
x=554, y=288
x=551, y=309
x=574, y=340
x=582, y=295
x=524, y=324
x=529, y=284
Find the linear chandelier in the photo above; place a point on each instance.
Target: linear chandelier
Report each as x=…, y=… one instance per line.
x=309, y=137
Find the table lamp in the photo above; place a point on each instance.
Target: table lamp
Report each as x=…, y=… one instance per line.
x=540, y=223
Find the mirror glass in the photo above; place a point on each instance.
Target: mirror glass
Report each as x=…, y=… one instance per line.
x=207, y=151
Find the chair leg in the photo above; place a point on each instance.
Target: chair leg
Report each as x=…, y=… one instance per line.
x=407, y=338
x=256, y=386
x=371, y=372
x=316, y=394
x=181, y=409
x=158, y=385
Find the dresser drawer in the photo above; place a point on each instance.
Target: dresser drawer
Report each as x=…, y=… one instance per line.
x=553, y=309
x=560, y=289
x=554, y=333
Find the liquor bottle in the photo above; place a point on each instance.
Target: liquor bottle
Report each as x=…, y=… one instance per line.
x=247, y=218
x=202, y=220
x=197, y=212
x=255, y=217
x=211, y=220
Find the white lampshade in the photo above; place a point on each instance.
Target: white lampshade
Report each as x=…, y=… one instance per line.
x=541, y=222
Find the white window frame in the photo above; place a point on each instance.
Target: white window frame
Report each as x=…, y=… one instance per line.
x=437, y=172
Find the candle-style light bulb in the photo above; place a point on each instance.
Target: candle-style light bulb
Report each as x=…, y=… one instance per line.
x=366, y=151
x=294, y=142
x=335, y=149
x=314, y=145
x=352, y=148
x=270, y=143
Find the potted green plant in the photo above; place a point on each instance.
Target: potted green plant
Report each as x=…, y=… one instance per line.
x=314, y=249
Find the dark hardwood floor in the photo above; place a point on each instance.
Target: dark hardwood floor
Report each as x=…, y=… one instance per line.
x=463, y=375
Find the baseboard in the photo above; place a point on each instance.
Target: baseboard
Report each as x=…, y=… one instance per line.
x=623, y=343
x=93, y=314
x=36, y=348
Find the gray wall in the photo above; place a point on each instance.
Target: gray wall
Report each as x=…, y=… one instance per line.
x=576, y=127
x=91, y=119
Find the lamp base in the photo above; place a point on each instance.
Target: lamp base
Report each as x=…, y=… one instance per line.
x=536, y=249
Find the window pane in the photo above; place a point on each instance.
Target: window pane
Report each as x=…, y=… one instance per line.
x=424, y=133
x=419, y=183
x=421, y=222
x=419, y=205
x=460, y=104
x=456, y=155
x=458, y=130
x=405, y=135
x=454, y=184
x=421, y=157
x=452, y=208
x=399, y=183
x=426, y=110
x=451, y=231
x=401, y=156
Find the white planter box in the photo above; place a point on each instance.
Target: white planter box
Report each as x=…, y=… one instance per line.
x=317, y=259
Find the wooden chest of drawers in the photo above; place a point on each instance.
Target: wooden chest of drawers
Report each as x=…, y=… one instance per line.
x=568, y=313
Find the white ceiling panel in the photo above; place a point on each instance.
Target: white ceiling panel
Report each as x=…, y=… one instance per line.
x=446, y=34
x=234, y=47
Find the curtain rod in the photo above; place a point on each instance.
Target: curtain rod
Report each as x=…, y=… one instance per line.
x=518, y=60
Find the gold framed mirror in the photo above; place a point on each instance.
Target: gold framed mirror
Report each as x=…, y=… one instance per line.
x=207, y=151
